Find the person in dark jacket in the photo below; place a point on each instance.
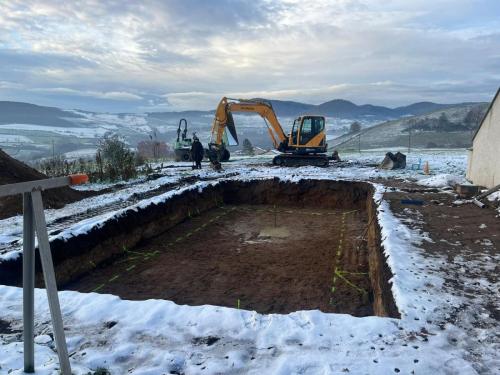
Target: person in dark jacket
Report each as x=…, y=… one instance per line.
x=197, y=152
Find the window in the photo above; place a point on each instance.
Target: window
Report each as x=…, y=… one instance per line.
x=294, y=131
x=307, y=126
x=319, y=125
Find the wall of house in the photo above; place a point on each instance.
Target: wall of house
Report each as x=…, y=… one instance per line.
x=484, y=159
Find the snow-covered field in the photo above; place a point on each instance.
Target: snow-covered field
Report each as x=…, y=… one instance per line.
x=74, y=132
x=13, y=138
x=160, y=337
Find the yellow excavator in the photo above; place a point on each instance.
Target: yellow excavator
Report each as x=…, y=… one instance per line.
x=305, y=145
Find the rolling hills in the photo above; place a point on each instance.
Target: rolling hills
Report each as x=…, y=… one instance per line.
x=30, y=131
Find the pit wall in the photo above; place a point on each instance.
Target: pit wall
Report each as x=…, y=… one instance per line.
x=79, y=255
x=380, y=274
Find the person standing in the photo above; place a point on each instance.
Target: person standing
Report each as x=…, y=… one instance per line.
x=197, y=152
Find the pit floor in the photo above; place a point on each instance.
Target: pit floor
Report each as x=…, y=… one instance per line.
x=255, y=257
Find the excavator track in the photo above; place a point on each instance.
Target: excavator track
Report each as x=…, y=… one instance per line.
x=291, y=160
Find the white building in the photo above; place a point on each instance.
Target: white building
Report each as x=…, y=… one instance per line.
x=484, y=156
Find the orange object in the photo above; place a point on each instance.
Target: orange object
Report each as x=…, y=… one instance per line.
x=77, y=179
x=426, y=168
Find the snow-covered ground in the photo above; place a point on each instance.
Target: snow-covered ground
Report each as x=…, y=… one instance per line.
x=14, y=138
x=160, y=337
x=69, y=131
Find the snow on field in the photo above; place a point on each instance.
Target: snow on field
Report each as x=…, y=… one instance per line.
x=156, y=336
x=81, y=153
x=73, y=131
x=112, y=121
x=14, y=138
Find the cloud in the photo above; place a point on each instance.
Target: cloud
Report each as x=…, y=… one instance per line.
x=182, y=54
x=112, y=95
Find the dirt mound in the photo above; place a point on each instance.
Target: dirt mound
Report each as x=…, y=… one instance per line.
x=12, y=171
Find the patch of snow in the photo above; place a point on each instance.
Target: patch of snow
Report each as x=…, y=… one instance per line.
x=484, y=242
x=442, y=180
x=494, y=196
x=68, y=131
x=43, y=339
x=81, y=153
x=13, y=138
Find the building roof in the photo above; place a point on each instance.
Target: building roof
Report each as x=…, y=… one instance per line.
x=486, y=113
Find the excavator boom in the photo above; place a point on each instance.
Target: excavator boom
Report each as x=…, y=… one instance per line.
x=223, y=118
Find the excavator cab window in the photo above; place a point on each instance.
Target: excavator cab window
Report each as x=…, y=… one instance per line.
x=319, y=125
x=295, y=126
x=311, y=126
x=306, y=131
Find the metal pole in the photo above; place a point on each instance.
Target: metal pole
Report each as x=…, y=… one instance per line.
x=28, y=283
x=50, y=281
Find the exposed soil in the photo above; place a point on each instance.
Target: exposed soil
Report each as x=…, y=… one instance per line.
x=272, y=260
x=6, y=329
x=12, y=171
x=464, y=248
x=464, y=233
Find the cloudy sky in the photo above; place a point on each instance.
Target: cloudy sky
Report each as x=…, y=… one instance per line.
x=141, y=56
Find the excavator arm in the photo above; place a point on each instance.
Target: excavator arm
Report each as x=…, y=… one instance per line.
x=224, y=120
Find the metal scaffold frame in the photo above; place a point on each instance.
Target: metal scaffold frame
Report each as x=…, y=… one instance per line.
x=34, y=223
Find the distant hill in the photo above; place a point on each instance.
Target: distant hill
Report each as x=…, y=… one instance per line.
x=178, y=114
x=26, y=113
x=30, y=131
x=455, y=133
x=346, y=109
x=338, y=108
x=421, y=108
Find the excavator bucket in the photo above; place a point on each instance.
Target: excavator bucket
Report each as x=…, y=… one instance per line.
x=393, y=161
x=230, y=126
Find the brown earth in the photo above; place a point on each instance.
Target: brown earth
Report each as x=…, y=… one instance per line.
x=464, y=249
x=272, y=260
x=468, y=236
x=12, y=171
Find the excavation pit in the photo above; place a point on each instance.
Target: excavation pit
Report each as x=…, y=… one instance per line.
x=266, y=245
x=259, y=257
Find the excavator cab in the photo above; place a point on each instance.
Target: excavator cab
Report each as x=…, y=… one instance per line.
x=308, y=134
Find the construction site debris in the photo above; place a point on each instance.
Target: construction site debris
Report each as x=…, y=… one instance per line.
x=416, y=202
x=466, y=191
x=488, y=192
x=478, y=203
x=335, y=156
